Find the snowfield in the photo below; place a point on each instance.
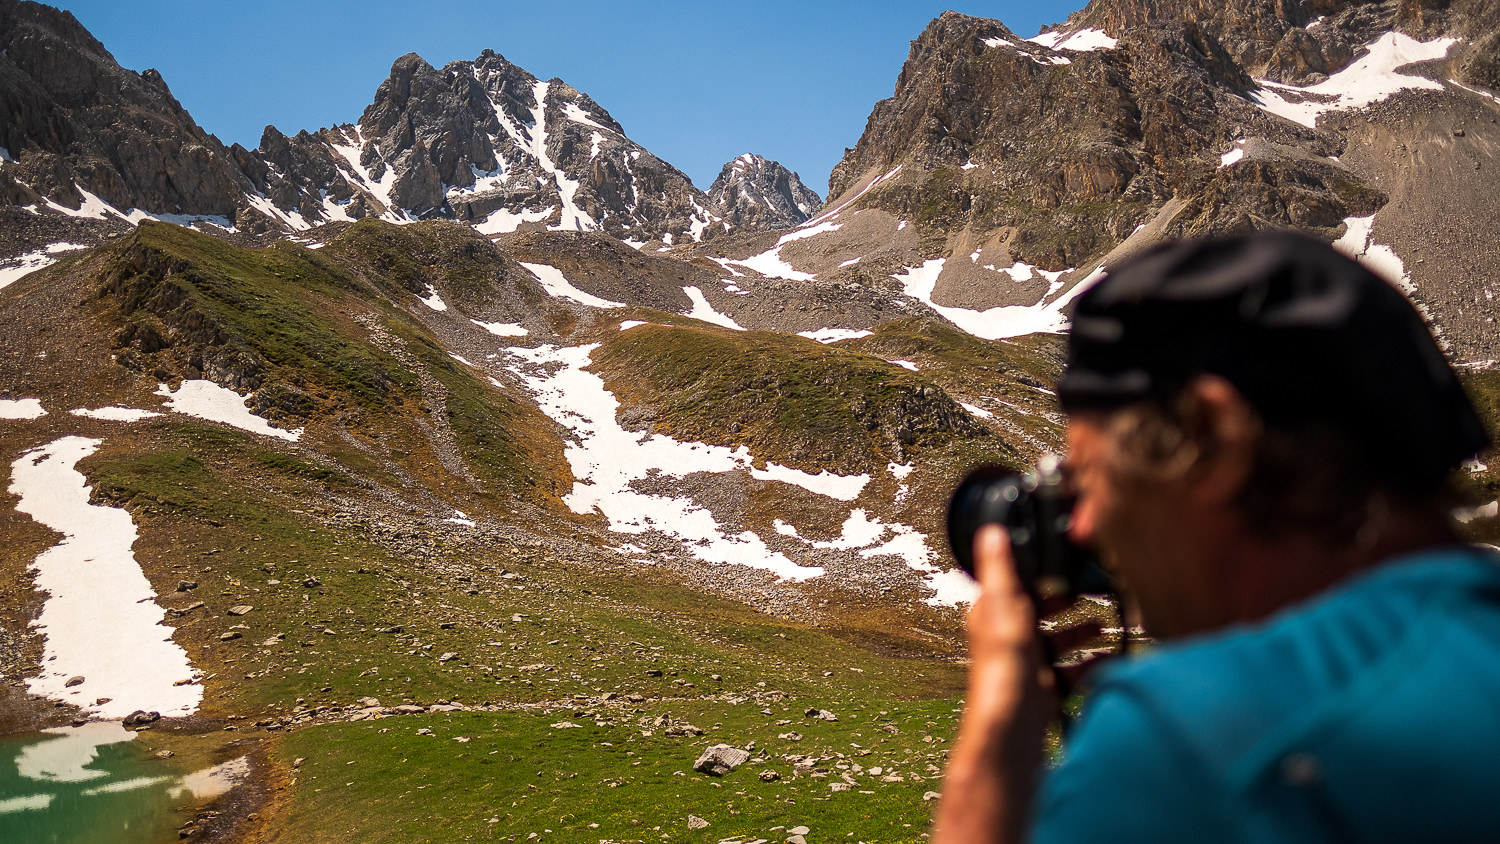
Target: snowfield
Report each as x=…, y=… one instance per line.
x=100, y=620
x=1370, y=79
x=612, y=465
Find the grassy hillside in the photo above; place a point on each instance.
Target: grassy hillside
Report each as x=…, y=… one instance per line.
x=543, y=631
x=790, y=400
x=316, y=341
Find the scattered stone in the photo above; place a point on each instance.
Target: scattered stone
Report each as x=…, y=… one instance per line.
x=695, y=822
x=932, y=795
x=328, y=631
x=425, y=731
x=769, y=776
x=311, y=582
x=75, y=680
x=839, y=786
x=798, y=830
x=242, y=609
x=230, y=636
x=720, y=760
x=399, y=628
x=790, y=736
x=567, y=725
x=795, y=839
x=635, y=698
x=448, y=657
x=164, y=754
x=821, y=713
x=187, y=585
x=409, y=709
x=139, y=719
x=100, y=701
x=655, y=672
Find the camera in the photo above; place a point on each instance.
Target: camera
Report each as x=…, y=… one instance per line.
x=1036, y=510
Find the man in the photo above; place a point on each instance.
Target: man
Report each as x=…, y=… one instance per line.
x=1260, y=437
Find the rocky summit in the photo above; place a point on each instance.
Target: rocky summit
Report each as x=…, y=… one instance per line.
x=466, y=472
x=758, y=194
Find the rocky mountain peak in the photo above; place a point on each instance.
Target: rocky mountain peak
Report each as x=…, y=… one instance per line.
x=75, y=122
x=759, y=194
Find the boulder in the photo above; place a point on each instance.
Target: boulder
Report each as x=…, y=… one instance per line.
x=720, y=760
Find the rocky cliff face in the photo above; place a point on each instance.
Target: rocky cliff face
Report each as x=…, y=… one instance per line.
x=76, y=124
x=487, y=143
x=759, y=195
x=1137, y=120
x=483, y=142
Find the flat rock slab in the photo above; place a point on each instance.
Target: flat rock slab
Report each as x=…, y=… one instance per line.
x=720, y=760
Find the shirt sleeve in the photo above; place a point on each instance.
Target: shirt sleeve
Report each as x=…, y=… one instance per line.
x=1127, y=777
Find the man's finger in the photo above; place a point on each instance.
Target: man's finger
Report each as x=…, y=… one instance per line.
x=993, y=565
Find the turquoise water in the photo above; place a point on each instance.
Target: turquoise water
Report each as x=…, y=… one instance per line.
x=87, y=785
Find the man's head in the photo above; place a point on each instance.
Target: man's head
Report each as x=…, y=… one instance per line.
x=1256, y=391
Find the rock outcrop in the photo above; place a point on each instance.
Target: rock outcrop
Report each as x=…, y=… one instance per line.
x=756, y=194
x=73, y=121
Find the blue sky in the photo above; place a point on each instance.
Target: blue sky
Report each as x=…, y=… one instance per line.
x=697, y=83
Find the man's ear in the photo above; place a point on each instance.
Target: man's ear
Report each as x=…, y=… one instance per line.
x=1217, y=417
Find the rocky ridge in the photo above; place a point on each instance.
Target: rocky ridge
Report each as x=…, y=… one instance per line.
x=1138, y=121
x=757, y=194
x=483, y=142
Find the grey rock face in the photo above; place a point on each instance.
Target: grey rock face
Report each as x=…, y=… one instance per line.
x=720, y=760
x=482, y=142
x=489, y=144
x=73, y=120
x=757, y=194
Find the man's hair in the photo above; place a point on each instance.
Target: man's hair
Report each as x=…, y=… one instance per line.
x=1309, y=477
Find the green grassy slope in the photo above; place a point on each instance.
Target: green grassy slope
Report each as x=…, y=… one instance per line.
x=790, y=400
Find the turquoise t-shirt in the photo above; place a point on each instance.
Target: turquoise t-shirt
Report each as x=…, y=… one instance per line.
x=1370, y=713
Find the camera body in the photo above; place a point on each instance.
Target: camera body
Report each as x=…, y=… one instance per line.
x=1036, y=510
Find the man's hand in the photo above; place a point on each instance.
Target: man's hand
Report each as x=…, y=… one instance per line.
x=993, y=768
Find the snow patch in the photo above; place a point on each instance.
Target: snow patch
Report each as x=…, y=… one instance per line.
x=833, y=335
x=1358, y=243
x=976, y=410
x=632, y=323
x=559, y=287
x=841, y=487
x=578, y=115
x=19, y=267
x=100, y=620
x=607, y=461
x=1000, y=322
x=207, y=400
x=905, y=364
x=21, y=409
x=702, y=310
x=1228, y=159
x=1079, y=41
x=834, y=212
x=502, y=329
x=1372, y=78
x=115, y=414
x=505, y=221
x=434, y=300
